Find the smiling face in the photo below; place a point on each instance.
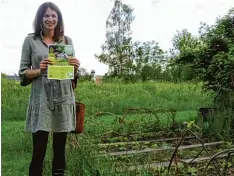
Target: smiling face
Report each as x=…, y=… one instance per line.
x=50, y=20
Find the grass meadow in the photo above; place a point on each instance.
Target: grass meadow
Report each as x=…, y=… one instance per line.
x=106, y=106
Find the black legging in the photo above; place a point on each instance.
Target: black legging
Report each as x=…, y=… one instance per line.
x=40, y=140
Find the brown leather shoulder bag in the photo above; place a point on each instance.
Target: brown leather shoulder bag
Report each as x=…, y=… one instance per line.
x=80, y=107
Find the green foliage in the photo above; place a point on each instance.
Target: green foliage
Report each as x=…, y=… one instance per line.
x=3, y=75
x=210, y=55
x=210, y=58
x=147, y=53
x=14, y=100
x=84, y=75
x=184, y=43
x=152, y=72
x=178, y=73
x=114, y=97
x=116, y=52
x=221, y=125
x=61, y=48
x=82, y=150
x=148, y=60
x=130, y=78
x=125, y=58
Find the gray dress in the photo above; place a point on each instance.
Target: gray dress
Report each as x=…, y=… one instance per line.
x=52, y=102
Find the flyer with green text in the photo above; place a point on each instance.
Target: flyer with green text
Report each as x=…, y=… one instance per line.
x=60, y=68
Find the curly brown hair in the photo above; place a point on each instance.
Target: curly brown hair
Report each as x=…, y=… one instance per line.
x=59, y=29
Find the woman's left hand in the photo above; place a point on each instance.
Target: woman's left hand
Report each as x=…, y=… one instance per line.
x=75, y=62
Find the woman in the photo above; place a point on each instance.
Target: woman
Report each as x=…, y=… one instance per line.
x=52, y=102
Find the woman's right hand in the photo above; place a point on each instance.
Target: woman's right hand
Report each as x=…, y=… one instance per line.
x=44, y=64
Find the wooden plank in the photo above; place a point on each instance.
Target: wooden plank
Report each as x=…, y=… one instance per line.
x=127, y=152
x=166, y=164
x=151, y=141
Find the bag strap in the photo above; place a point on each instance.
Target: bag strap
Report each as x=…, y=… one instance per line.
x=65, y=40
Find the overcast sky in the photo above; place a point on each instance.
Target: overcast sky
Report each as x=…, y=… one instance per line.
x=85, y=23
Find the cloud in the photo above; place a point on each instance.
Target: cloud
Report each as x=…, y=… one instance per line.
x=215, y=5
x=11, y=46
x=154, y=2
x=85, y=24
x=199, y=6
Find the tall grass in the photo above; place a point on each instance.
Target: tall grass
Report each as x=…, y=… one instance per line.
x=114, y=98
x=82, y=157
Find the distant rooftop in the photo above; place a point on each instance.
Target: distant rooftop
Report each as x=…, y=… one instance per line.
x=12, y=77
x=98, y=76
